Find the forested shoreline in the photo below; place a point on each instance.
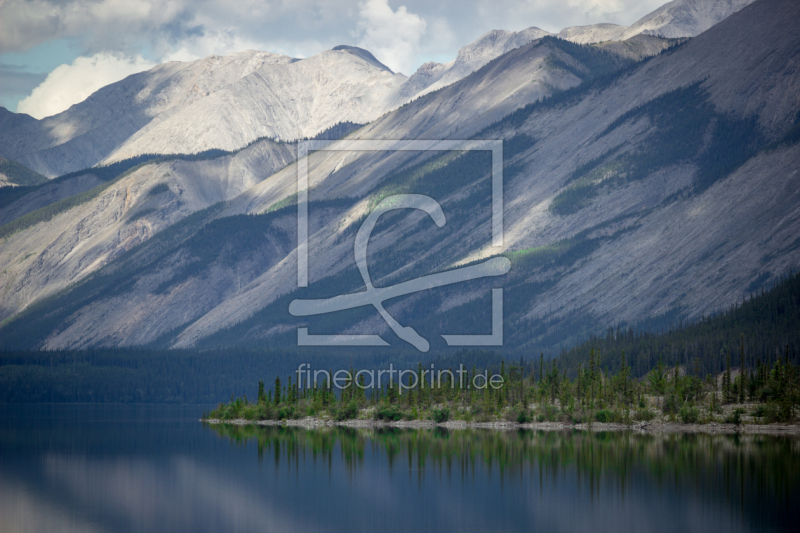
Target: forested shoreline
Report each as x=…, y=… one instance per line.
x=607, y=377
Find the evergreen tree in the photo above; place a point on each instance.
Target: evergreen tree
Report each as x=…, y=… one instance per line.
x=742, y=374
x=727, y=383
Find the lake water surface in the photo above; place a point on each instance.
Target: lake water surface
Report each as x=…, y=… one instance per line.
x=156, y=468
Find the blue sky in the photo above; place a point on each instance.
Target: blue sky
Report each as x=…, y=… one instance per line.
x=85, y=44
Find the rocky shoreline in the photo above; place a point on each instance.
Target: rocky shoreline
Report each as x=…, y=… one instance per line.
x=641, y=427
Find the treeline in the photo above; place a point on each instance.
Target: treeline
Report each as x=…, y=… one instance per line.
x=20, y=174
x=760, y=336
x=527, y=392
x=114, y=171
x=763, y=326
x=108, y=174
x=621, y=377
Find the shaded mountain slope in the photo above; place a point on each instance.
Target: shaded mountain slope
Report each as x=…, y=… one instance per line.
x=667, y=189
x=114, y=216
x=281, y=186
x=618, y=262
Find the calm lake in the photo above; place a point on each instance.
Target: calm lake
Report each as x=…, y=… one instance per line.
x=156, y=468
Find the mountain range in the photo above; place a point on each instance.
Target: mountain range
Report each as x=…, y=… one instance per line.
x=228, y=102
x=650, y=175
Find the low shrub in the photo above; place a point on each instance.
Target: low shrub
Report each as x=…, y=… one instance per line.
x=388, y=412
x=250, y=412
x=735, y=417
x=579, y=417
x=440, y=415
x=347, y=412
x=604, y=416
x=549, y=413
x=689, y=414
x=518, y=414
x=770, y=413
x=286, y=412
x=671, y=405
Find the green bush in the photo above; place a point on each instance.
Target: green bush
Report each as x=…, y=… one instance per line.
x=643, y=415
x=286, y=412
x=735, y=417
x=549, y=413
x=266, y=412
x=578, y=417
x=769, y=413
x=671, y=404
x=518, y=414
x=347, y=412
x=604, y=416
x=689, y=414
x=440, y=415
x=388, y=412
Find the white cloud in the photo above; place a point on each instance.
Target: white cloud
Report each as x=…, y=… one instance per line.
x=392, y=36
x=219, y=43
x=556, y=15
x=162, y=30
x=70, y=84
x=99, y=24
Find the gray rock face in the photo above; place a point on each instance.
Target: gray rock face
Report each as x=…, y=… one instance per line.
x=698, y=254
x=679, y=18
x=228, y=102
x=53, y=258
x=685, y=18
x=88, y=132
x=432, y=76
x=651, y=244
x=594, y=33
x=45, y=258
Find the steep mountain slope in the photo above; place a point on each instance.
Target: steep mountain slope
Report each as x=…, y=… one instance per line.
x=432, y=76
x=685, y=18
x=678, y=235
x=675, y=19
x=42, y=258
x=13, y=174
x=497, y=89
x=638, y=47
x=667, y=190
x=286, y=101
x=594, y=33
x=46, y=194
x=87, y=132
